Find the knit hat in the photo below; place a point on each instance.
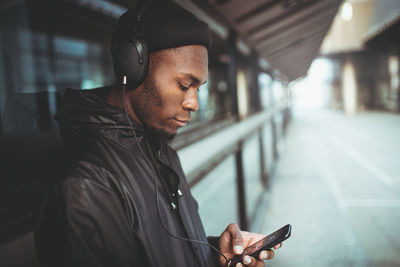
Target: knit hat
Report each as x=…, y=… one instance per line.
x=165, y=25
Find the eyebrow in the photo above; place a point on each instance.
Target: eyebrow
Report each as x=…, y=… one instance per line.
x=193, y=78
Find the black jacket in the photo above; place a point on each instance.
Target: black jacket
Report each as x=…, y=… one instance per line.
x=104, y=213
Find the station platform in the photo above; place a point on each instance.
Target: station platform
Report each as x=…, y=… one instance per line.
x=338, y=183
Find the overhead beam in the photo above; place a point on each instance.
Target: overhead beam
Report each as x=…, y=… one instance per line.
x=294, y=71
x=276, y=60
x=294, y=45
x=282, y=43
x=300, y=62
x=280, y=17
x=298, y=48
x=257, y=10
x=295, y=29
x=215, y=26
x=285, y=21
x=297, y=61
x=291, y=35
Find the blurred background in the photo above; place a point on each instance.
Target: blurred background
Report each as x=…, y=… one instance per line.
x=299, y=122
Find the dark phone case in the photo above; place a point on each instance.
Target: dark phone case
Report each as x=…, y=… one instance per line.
x=282, y=234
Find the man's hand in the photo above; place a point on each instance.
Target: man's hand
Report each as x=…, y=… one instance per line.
x=233, y=241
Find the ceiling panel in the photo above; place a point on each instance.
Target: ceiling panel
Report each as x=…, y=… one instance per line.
x=286, y=19
x=295, y=63
x=231, y=7
x=292, y=55
x=294, y=46
x=292, y=35
x=297, y=28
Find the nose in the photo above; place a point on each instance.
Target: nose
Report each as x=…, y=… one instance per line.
x=191, y=102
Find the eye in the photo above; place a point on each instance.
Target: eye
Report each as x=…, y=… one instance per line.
x=183, y=87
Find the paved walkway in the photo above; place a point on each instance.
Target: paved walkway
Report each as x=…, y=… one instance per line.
x=338, y=184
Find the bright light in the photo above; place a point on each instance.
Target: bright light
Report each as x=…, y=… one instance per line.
x=314, y=91
x=347, y=11
x=393, y=63
x=87, y=84
x=242, y=94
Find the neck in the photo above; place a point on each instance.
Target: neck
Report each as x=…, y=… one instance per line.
x=115, y=98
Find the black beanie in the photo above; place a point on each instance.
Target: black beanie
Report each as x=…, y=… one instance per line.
x=165, y=25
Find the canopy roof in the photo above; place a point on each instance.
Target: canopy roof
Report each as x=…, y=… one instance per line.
x=287, y=33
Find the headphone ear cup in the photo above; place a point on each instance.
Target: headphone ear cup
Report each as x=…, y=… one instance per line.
x=130, y=59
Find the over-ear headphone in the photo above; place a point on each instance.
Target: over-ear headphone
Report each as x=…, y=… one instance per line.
x=129, y=49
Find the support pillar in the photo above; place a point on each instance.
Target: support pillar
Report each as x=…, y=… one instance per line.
x=232, y=85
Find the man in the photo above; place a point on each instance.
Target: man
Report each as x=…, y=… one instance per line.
x=126, y=201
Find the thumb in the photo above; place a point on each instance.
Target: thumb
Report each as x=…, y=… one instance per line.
x=236, y=238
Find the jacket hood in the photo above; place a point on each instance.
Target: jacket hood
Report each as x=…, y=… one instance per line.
x=86, y=113
x=89, y=108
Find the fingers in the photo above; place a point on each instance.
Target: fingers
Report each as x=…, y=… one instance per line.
x=258, y=264
x=278, y=246
x=250, y=261
x=236, y=237
x=266, y=255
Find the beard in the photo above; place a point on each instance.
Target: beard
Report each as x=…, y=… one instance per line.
x=145, y=107
x=159, y=135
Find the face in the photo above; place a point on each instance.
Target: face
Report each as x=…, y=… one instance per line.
x=168, y=95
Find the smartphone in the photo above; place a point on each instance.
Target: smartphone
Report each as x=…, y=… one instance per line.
x=264, y=244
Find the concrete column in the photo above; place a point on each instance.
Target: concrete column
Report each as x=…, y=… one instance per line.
x=255, y=99
x=349, y=88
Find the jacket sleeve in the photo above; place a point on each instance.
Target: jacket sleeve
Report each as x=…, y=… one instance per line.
x=97, y=231
x=214, y=240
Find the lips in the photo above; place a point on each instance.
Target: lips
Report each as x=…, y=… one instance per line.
x=181, y=123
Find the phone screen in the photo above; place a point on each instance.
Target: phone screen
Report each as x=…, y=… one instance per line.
x=269, y=241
